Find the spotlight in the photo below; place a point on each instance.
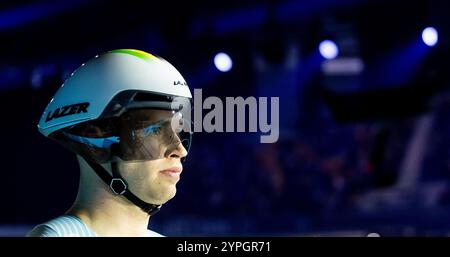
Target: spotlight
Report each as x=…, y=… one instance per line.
x=328, y=49
x=430, y=36
x=223, y=62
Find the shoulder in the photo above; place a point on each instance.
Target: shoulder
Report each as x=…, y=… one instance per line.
x=42, y=230
x=63, y=226
x=151, y=233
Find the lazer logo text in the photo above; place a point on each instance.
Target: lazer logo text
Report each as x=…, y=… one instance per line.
x=179, y=83
x=66, y=111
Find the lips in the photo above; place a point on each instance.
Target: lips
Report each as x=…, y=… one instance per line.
x=176, y=170
x=172, y=173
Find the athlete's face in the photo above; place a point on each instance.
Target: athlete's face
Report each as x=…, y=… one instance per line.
x=154, y=180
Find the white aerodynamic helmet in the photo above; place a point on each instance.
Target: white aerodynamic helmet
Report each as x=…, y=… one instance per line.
x=122, y=104
x=92, y=87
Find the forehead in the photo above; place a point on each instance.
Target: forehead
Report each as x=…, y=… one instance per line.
x=149, y=115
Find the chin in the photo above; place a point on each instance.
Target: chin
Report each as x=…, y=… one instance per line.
x=171, y=194
x=163, y=196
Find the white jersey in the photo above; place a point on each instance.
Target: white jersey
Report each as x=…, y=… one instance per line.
x=68, y=226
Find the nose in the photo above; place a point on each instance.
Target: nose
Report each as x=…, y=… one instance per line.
x=176, y=150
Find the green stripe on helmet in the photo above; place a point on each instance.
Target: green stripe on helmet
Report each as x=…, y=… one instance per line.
x=138, y=53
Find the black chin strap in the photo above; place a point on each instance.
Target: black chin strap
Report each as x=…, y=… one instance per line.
x=119, y=186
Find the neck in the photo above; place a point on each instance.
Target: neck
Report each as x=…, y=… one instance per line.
x=105, y=213
x=109, y=215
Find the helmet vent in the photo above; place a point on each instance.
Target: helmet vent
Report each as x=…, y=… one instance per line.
x=148, y=97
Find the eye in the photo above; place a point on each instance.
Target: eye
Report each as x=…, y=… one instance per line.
x=154, y=129
x=157, y=130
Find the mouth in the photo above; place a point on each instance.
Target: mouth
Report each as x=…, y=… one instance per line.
x=172, y=173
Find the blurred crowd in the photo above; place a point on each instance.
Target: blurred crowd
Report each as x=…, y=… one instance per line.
x=325, y=170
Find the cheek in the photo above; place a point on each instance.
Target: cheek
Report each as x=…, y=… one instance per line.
x=144, y=172
x=134, y=172
x=155, y=149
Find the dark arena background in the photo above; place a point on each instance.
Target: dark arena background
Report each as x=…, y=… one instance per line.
x=364, y=118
